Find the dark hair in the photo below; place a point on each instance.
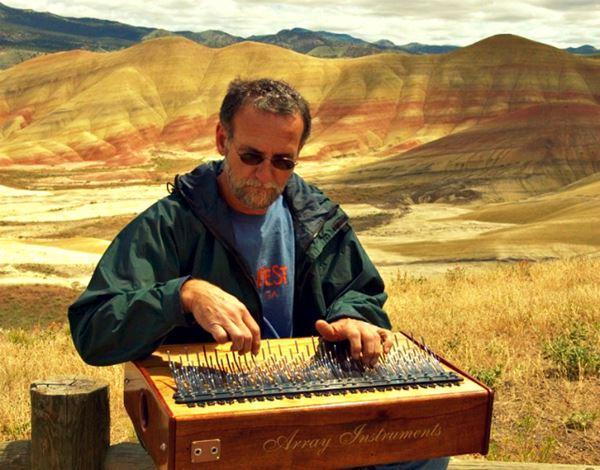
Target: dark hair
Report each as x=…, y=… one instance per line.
x=265, y=94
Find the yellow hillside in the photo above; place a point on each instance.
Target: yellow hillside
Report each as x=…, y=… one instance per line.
x=110, y=107
x=558, y=224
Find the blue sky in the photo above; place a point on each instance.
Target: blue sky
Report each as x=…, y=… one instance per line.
x=560, y=23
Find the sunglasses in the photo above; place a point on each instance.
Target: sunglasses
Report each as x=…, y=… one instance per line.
x=280, y=163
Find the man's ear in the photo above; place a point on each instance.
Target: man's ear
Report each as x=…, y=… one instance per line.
x=221, y=139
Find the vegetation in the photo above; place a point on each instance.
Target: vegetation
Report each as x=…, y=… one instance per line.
x=530, y=330
x=575, y=352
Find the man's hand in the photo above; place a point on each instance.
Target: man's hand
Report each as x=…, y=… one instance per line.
x=367, y=342
x=221, y=314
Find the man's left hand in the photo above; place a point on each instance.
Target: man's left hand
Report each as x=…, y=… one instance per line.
x=367, y=341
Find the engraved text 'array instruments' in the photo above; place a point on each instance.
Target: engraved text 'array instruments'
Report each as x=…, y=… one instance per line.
x=303, y=403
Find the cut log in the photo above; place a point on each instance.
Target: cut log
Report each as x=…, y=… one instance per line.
x=70, y=423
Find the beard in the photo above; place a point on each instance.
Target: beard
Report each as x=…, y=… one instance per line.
x=251, y=192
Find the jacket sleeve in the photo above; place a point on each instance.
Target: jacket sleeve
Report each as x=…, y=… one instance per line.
x=351, y=285
x=132, y=300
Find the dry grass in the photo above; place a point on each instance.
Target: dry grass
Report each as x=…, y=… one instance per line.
x=530, y=330
x=26, y=307
x=35, y=344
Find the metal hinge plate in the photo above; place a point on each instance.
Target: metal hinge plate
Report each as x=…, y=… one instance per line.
x=206, y=451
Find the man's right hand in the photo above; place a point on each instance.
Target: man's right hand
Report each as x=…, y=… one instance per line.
x=221, y=314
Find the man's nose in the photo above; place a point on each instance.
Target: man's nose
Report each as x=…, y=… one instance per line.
x=264, y=171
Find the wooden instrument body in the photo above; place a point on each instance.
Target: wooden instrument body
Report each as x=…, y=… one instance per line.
x=332, y=431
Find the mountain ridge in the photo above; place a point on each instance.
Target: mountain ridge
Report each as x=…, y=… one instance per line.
x=25, y=33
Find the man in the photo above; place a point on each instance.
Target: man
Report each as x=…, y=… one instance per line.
x=242, y=249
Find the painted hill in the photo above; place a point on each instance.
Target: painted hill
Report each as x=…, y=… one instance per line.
x=530, y=151
x=109, y=107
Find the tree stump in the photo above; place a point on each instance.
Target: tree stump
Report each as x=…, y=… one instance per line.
x=70, y=423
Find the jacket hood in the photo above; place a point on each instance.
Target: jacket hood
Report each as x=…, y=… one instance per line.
x=310, y=208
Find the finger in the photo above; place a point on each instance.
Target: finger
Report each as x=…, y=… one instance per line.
x=254, y=331
x=378, y=348
x=371, y=347
x=387, y=339
x=236, y=336
x=355, y=340
x=244, y=340
x=327, y=331
x=218, y=333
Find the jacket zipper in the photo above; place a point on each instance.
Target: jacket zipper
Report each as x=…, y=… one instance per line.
x=342, y=223
x=230, y=249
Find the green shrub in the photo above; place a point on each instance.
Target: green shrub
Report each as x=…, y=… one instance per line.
x=488, y=376
x=575, y=353
x=580, y=420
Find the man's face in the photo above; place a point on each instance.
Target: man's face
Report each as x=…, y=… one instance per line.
x=253, y=188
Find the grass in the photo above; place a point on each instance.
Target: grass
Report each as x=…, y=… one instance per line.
x=106, y=228
x=513, y=327
x=497, y=324
x=27, y=307
x=574, y=352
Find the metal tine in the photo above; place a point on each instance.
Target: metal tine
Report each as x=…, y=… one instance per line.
x=301, y=368
x=175, y=372
x=242, y=377
x=245, y=356
x=205, y=356
x=216, y=354
x=235, y=361
x=233, y=374
x=314, y=344
x=185, y=373
x=221, y=367
x=229, y=364
x=258, y=368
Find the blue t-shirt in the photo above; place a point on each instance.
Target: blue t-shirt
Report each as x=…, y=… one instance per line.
x=267, y=244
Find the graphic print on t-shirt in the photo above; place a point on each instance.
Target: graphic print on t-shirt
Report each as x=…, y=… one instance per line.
x=270, y=279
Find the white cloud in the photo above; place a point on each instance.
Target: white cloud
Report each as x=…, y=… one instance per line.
x=561, y=23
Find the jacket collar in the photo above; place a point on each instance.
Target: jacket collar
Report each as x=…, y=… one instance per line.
x=310, y=208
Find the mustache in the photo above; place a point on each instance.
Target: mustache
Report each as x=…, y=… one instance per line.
x=257, y=184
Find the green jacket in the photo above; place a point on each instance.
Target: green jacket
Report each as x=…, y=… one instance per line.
x=132, y=305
